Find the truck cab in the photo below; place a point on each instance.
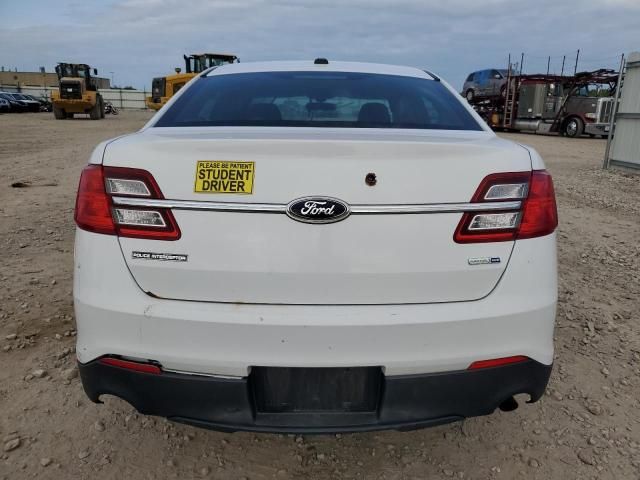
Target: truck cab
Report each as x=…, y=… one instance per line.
x=588, y=111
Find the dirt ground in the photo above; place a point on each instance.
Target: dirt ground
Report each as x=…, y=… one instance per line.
x=586, y=426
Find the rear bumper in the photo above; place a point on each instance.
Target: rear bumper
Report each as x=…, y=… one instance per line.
x=406, y=402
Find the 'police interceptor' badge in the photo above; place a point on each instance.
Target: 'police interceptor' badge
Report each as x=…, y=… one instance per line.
x=165, y=257
x=214, y=176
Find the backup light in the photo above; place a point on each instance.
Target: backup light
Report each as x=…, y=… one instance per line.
x=494, y=221
x=151, y=218
x=122, y=186
x=509, y=191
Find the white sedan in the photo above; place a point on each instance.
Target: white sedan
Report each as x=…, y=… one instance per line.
x=315, y=247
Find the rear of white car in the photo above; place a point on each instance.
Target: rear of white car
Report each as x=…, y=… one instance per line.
x=315, y=247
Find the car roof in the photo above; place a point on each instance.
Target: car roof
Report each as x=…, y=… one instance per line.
x=310, y=66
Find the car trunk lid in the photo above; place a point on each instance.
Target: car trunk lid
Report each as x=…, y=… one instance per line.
x=258, y=254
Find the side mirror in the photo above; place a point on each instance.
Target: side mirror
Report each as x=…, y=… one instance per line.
x=95, y=72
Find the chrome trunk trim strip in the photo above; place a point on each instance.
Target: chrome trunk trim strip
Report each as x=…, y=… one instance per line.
x=361, y=209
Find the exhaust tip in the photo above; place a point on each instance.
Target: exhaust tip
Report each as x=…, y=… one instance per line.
x=509, y=405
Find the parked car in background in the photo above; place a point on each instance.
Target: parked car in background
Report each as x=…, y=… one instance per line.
x=32, y=105
x=15, y=105
x=5, y=107
x=315, y=247
x=45, y=103
x=484, y=83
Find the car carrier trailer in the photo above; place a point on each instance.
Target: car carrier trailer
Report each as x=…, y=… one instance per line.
x=568, y=105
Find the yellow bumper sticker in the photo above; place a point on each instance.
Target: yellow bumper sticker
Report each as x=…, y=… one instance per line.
x=224, y=177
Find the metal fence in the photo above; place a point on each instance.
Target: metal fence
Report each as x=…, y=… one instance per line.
x=124, y=99
x=623, y=148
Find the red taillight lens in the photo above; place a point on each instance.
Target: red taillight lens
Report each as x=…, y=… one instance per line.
x=130, y=365
x=540, y=215
x=536, y=217
x=497, y=362
x=96, y=212
x=93, y=206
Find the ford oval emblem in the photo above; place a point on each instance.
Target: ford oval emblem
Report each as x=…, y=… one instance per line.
x=318, y=210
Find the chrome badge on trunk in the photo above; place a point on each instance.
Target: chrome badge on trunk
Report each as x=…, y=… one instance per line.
x=318, y=210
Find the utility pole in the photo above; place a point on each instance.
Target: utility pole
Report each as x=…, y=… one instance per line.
x=548, y=63
x=521, y=62
x=575, y=69
x=564, y=57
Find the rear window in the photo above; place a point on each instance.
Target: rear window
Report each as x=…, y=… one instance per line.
x=318, y=99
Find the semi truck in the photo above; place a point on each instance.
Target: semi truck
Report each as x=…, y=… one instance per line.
x=568, y=105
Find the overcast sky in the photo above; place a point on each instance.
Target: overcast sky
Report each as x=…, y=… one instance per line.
x=140, y=39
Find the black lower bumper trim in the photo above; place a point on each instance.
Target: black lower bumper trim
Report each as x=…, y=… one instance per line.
x=407, y=402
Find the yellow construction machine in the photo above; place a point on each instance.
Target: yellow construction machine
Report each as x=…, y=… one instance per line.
x=77, y=92
x=163, y=88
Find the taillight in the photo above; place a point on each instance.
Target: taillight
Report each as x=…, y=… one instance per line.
x=539, y=213
x=534, y=217
x=93, y=207
x=96, y=212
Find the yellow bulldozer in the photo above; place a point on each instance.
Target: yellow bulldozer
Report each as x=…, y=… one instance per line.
x=163, y=88
x=77, y=92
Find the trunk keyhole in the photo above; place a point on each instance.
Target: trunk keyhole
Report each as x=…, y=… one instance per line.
x=371, y=179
